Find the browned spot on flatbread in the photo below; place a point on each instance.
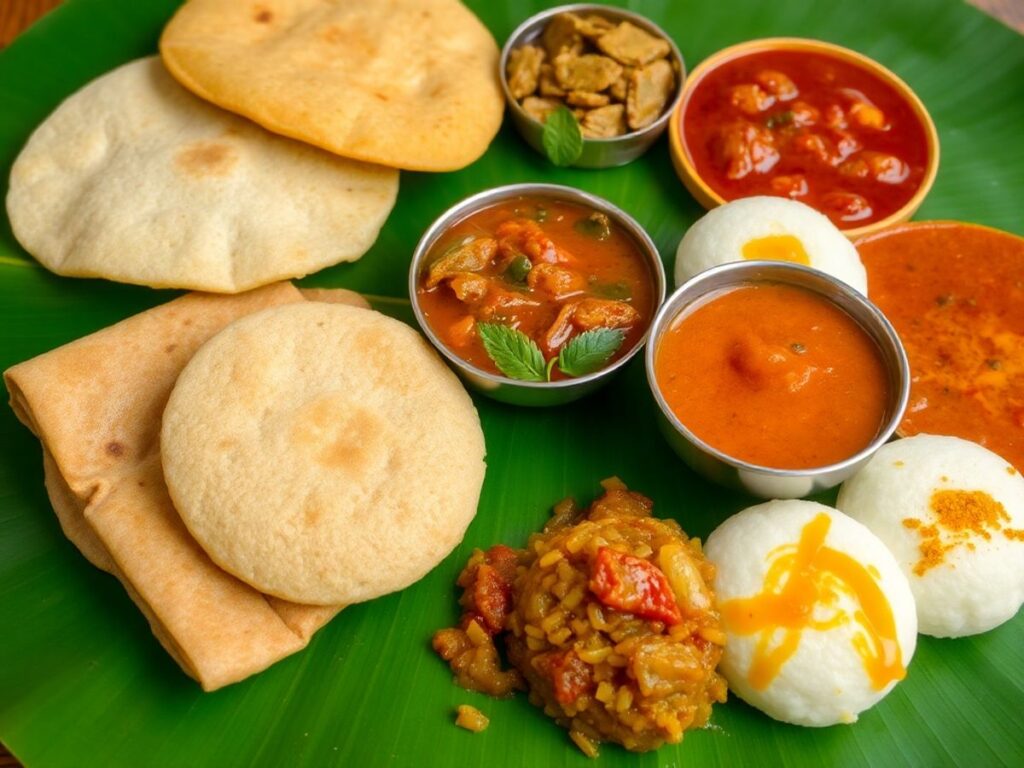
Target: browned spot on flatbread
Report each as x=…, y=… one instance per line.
x=357, y=42
x=262, y=15
x=338, y=437
x=312, y=512
x=206, y=158
x=115, y=449
x=170, y=348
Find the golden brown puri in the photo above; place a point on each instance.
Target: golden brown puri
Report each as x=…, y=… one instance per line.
x=134, y=179
x=410, y=84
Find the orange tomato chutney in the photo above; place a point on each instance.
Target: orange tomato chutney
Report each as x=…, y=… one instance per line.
x=548, y=268
x=773, y=375
x=955, y=294
x=810, y=127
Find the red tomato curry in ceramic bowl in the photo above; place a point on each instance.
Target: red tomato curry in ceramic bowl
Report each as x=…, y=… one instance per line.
x=810, y=121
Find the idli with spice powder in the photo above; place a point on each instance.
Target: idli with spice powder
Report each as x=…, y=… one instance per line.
x=952, y=513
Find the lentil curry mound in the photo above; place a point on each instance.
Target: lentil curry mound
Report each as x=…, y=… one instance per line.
x=606, y=617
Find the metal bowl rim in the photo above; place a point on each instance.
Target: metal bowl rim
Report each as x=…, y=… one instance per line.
x=515, y=39
x=671, y=308
x=488, y=197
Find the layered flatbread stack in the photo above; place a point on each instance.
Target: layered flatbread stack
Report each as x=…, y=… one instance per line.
x=171, y=182
x=97, y=406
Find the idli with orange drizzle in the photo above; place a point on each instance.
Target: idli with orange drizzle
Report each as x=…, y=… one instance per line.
x=952, y=513
x=820, y=621
x=770, y=229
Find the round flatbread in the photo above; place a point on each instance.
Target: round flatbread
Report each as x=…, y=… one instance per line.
x=322, y=453
x=408, y=83
x=135, y=179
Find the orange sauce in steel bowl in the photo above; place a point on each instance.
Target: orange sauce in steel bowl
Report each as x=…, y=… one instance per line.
x=773, y=375
x=955, y=294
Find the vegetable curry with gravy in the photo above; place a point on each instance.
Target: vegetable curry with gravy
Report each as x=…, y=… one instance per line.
x=810, y=127
x=550, y=269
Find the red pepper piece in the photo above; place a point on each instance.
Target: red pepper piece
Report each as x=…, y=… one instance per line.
x=633, y=585
x=492, y=596
x=571, y=677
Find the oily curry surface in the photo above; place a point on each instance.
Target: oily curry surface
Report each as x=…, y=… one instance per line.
x=955, y=293
x=809, y=127
x=773, y=375
x=549, y=269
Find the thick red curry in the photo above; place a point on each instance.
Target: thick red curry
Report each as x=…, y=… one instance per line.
x=550, y=269
x=809, y=127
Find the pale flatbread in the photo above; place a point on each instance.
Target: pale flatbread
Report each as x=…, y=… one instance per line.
x=95, y=404
x=135, y=179
x=408, y=83
x=322, y=454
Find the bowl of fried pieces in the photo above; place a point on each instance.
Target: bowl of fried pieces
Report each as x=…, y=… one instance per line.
x=591, y=86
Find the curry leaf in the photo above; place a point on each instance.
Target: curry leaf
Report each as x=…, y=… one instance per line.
x=515, y=353
x=562, y=139
x=589, y=351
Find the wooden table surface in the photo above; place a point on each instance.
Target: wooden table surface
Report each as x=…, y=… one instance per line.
x=17, y=15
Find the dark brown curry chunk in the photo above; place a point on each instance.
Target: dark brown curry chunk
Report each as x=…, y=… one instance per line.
x=604, y=122
x=630, y=45
x=650, y=89
x=560, y=36
x=524, y=70
x=588, y=72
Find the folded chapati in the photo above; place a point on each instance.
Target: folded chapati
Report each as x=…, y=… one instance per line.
x=321, y=453
x=96, y=405
x=408, y=83
x=134, y=179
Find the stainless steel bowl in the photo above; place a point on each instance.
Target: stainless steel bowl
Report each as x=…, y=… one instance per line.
x=597, y=153
x=500, y=387
x=768, y=482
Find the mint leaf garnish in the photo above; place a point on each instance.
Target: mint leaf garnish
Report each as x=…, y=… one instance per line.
x=562, y=139
x=516, y=354
x=589, y=351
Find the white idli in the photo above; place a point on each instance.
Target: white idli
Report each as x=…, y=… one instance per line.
x=862, y=626
x=773, y=228
x=952, y=512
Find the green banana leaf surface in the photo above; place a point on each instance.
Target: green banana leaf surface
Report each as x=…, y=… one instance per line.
x=82, y=680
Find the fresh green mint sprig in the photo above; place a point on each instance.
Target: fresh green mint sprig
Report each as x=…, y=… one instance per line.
x=562, y=138
x=517, y=355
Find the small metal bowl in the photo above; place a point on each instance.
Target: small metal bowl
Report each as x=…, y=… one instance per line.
x=769, y=482
x=530, y=392
x=597, y=153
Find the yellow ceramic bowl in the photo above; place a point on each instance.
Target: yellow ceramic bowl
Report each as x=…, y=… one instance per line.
x=709, y=198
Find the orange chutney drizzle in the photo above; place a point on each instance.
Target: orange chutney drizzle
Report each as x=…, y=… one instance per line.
x=801, y=577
